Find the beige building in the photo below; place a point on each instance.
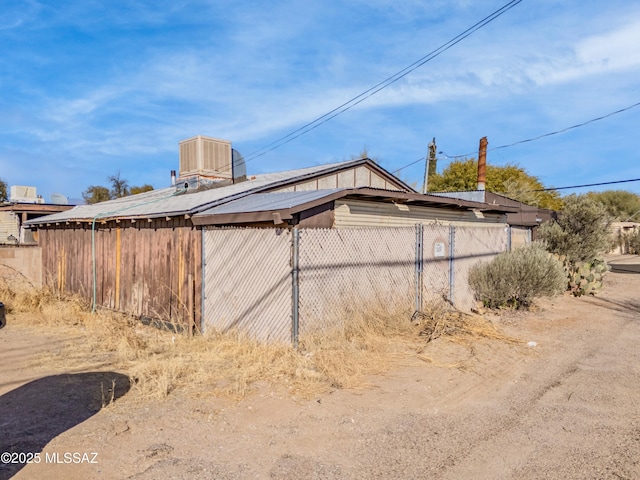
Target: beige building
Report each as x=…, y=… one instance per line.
x=620, y=232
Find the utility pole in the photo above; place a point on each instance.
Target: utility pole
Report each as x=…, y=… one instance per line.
x=430, y=165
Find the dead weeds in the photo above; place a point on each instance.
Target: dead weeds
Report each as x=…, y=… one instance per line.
x=368, y=342
x=441, y=319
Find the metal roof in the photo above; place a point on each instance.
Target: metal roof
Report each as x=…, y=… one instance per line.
x=263, y=202
x=260, y=207
x=172, y=202
x=472, y=195
x=250, y=200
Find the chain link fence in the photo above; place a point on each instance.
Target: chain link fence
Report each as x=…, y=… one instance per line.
x=520, y=237
x=436, y=262
x=470, y=246
x=275, y=284
x=247, y=282
x=349, y=269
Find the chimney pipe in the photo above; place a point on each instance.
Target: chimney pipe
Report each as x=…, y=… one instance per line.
x=173, y=178
x=482, y=163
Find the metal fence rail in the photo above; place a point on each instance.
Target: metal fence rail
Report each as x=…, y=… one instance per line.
x=275, y=284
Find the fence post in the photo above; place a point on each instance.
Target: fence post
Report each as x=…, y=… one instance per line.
x=452, y=246
x=509, y=238
x=419, y=269
x=203, y=295
x=295, y=290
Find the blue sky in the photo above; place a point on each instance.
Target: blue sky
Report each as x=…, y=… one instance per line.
x=92, y=87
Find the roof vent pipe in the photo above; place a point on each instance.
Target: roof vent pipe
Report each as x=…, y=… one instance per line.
x=482, y=164
x=173, y=178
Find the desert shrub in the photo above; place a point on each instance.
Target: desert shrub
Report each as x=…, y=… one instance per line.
x=514, y=279
x=581, y=232
x=580, y=236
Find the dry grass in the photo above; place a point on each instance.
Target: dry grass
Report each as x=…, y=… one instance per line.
x=368, y=341
x=461, y=330
x=371, y=341
x=20, y=296
x=441, y=319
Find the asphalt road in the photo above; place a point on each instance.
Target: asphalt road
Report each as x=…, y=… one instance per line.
x=625, y=268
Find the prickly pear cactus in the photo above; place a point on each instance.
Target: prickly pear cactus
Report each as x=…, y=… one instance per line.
x=586, y=279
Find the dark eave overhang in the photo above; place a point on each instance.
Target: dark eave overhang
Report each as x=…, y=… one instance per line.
x=430, y=200
x=34, y=207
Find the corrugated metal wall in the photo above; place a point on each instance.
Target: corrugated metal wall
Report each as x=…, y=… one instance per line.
x=150, y=269
x=357, y=213
x=247, y=277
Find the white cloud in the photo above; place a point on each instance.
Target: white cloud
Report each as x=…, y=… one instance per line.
x=613, y=51
x=253, y=72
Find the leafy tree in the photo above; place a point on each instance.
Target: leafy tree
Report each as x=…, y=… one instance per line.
x=141, y=189
x=511, y=181
x=95, y=194
x=620, y=204
x=581, y=232
x=119, y=186
x=4, y=196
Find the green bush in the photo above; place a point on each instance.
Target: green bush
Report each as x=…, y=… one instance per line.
x=514, y=279
x=580, y=236
x=581, y=232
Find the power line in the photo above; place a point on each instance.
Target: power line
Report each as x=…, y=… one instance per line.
x=581, y=186
x=551, y=189
x=557, y=132
x=534, y=138
x=381, y=85
x=421, y=159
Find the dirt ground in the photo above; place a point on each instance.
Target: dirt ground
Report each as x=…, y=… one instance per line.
x=566, y=406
